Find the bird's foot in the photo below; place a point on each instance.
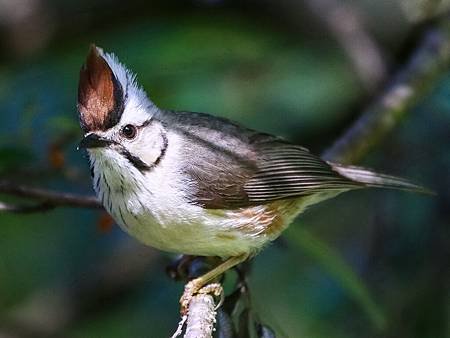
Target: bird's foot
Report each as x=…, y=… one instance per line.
x=216, y=290
x=196, y=286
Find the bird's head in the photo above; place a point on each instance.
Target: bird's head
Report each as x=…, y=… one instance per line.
x=120, y=123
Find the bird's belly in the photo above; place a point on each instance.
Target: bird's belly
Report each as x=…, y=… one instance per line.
x=203, y=236
x=204, y=232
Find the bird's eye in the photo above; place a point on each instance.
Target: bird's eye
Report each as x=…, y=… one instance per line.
x=129, y=131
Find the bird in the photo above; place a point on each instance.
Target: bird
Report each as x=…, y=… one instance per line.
x=197, y=184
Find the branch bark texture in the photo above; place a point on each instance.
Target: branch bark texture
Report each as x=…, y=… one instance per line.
x=412, y=83
x=202, y=317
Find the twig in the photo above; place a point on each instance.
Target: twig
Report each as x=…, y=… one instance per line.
x=202, y=316
x=50, y=199
x=410, y=85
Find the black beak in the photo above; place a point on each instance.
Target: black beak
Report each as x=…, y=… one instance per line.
x=93, y=141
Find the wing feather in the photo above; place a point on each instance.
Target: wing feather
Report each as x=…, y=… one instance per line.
x=286, y=170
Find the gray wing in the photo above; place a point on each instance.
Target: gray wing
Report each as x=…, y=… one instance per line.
x=286, y=170
x=232, y=167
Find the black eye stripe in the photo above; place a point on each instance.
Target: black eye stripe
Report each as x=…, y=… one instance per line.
x=134, y=160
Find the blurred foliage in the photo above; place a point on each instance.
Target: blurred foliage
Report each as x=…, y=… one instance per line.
x=269, y=68
x=340, y=270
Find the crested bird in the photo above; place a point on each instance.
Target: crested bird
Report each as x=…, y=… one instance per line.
x=193, y=183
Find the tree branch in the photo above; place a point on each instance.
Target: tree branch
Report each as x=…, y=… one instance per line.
x=411, y=84
x=49, y=199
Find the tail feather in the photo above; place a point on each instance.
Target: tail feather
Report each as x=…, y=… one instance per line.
x=372, y=179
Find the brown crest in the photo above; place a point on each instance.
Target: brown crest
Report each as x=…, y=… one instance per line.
x=100, y=95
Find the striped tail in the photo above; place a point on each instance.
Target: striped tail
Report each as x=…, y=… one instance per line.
x=372, y=179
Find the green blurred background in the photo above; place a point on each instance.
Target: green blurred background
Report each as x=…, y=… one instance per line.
x=366, y=264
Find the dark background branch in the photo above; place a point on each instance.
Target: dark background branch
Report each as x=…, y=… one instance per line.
x=50, y=199
x=411, y=83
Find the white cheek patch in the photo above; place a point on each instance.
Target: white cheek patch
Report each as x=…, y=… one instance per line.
x=151, y=145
